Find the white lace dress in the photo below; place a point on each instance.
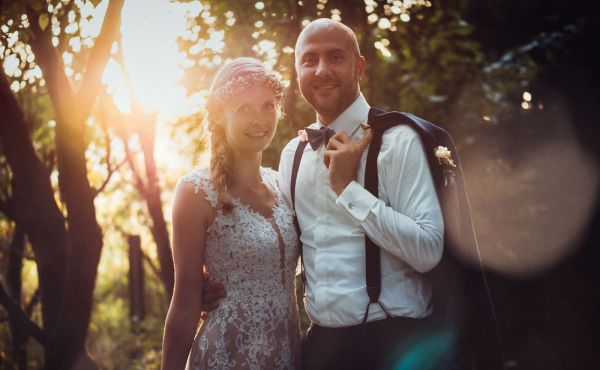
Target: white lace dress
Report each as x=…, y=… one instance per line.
x=256, y=325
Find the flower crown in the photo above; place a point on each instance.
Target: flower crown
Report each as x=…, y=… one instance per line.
x=239, y=84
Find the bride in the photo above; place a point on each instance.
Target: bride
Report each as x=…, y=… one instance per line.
x=232, y=218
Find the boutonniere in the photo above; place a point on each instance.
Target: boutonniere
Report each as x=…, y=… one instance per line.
x=444, y=156
x=302, y=135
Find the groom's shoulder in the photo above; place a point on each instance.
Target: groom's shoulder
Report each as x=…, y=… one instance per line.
x=287, y=154
x=399, y=137
x=291, y=145
x=414, y=128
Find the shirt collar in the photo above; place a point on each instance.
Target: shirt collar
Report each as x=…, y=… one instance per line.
x=348, y=120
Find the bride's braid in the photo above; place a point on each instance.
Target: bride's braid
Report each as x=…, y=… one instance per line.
x=221, y=161
x=231, y=79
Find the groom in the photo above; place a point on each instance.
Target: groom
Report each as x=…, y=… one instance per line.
x=335, y=212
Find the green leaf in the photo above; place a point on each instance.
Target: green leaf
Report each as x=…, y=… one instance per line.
x=43, y=21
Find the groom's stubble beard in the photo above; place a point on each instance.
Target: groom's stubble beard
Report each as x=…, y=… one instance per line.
x=332, y=107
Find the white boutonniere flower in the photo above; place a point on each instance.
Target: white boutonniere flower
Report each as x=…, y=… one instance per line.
x=444, y=156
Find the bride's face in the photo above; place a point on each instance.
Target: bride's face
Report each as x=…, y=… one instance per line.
x=251, y=119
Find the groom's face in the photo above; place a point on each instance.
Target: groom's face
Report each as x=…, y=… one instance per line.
x=329, y=68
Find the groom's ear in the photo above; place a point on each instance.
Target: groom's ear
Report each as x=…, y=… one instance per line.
x=360, y=66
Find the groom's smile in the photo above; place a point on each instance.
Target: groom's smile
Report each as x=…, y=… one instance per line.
x=325, y=88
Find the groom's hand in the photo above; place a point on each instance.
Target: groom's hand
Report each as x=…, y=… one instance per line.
x=212, y=292
x=342, y=157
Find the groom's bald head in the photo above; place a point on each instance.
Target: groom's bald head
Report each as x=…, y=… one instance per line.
x=316, y=30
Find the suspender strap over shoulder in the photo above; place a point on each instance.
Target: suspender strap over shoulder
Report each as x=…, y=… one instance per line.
x=295, y=167
x=372, y=255
x=373, y=260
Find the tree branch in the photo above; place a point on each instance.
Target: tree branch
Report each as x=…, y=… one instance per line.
x=153, y=267
x=111, y=170
x=139, y=183
x=99, y=56
x=17, y=314
x=34, y=300
x=47, y=58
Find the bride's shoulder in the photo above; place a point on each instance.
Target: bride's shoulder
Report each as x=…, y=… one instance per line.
x=197, y=178
x=198, y=181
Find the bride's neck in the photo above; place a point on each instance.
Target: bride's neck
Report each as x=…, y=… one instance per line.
x=246, y=169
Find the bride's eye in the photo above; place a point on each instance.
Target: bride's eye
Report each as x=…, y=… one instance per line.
x=243, y=110
x=269, y=107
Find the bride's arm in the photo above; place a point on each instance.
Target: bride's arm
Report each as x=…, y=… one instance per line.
x=192, y=214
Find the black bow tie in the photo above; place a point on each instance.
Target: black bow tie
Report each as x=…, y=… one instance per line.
x=318, y=137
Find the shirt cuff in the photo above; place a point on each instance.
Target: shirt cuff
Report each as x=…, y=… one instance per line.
x=357, y=200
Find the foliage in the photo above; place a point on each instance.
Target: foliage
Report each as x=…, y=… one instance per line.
x=114, y=338
x=421, y=56
x=72, y=35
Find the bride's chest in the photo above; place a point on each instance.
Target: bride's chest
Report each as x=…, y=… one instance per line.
x=246, y=239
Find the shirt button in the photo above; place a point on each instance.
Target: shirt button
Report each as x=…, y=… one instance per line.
x=351, y=205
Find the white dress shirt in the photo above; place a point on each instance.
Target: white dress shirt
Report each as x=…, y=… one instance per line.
x=405, y=222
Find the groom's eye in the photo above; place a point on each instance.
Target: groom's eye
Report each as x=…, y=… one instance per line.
x=336, y=57
x=309, y=60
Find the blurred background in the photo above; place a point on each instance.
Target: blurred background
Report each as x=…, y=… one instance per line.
x=101, y=109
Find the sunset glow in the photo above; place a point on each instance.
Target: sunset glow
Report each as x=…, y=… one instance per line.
x=153, y=62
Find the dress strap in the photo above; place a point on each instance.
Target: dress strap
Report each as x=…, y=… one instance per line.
x=201, y=180
x=270, y=176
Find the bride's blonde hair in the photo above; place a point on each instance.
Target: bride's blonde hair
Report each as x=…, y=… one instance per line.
x=233, y=78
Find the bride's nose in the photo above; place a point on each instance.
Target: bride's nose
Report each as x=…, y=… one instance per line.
x=257, y=119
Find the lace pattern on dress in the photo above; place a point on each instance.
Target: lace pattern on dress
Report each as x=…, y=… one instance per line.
x=256, y=325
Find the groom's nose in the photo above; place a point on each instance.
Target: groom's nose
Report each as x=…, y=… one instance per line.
x=322, y=67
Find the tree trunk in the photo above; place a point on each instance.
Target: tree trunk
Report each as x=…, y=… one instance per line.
x=151, y=194
x=35, y=209
x=13, y=280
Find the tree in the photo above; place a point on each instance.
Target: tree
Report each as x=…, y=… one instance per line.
x=143, y=125
x=67, y=248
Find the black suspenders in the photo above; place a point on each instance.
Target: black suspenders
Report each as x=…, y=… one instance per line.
x=372, y=255
x=295, y=167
